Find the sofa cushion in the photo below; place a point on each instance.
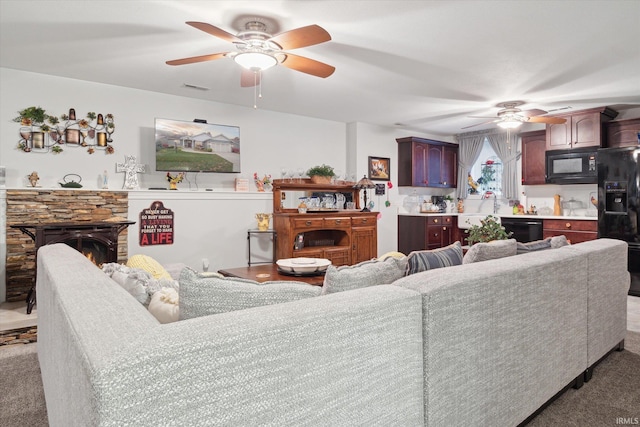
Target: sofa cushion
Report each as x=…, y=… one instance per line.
x=437, y=258
x=149, y=264
x=490, y=250
x=366, y=273
x=205, y=295
x=537, y=245
x=559, y=241
x=164, y=305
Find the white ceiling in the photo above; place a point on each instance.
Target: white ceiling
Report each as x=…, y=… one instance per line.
x=425, y=64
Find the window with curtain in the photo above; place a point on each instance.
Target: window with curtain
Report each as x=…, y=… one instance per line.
x=487, y=170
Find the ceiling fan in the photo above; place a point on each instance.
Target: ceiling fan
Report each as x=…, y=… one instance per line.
x=511, y=117
x=258, y=50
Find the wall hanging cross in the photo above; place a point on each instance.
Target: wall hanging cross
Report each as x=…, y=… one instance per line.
x=131, y=170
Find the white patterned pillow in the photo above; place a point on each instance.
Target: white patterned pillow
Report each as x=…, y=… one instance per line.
x=367, y=273
x=435, y=258
x=490, y=250
x=139, y=283
x=205, y=295
x=164, y=305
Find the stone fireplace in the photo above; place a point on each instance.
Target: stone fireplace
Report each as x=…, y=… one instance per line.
x=91, y=221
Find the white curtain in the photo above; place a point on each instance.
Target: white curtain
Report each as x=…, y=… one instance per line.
x=504, y=144
x=470, y=146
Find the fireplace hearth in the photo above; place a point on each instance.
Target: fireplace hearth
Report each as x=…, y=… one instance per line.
x=98, y=241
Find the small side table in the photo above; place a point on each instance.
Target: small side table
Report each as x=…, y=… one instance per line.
x=274, y=238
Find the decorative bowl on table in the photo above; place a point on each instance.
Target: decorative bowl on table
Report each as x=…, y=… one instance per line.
x=303, y=265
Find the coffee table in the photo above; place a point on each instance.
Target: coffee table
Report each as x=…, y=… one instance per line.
x=268, y=272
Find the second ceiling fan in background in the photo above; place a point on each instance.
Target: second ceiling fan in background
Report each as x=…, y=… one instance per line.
x=511, y=117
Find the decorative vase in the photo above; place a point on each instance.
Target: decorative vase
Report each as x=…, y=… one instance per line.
x=557, y=208
x=263, y=221
x=317, y=179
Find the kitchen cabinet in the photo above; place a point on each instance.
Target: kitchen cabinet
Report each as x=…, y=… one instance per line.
x=582, y=129
x=623, y=133
x=534, y=146
x=427, y=163
x=417, y=233
x=576, y=231
x=344, y=237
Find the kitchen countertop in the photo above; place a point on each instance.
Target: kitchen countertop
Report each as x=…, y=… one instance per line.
x=592, y=218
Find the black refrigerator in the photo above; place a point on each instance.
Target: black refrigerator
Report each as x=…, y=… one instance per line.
x=619, y=202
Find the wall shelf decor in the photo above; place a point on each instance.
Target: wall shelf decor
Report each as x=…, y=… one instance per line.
x=41, y=132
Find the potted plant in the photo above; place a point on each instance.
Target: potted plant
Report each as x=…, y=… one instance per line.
x=490, y=229
x=321, y=174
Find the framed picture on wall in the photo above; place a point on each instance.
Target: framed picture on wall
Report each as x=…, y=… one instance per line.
x=379, y=168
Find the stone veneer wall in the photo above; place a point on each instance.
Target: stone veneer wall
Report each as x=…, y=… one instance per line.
x=34, y=206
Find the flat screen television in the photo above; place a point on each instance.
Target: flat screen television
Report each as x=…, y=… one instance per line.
x=183, y=146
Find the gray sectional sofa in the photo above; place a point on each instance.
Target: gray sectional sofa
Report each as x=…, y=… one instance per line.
x=486, y=343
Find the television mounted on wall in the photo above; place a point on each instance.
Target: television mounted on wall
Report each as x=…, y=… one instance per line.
x=183, y=146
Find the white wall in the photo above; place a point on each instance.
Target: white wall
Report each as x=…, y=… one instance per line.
x=212, y=224
x=369, y=140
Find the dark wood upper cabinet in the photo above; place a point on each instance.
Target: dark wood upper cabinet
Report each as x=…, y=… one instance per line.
x=427, y=163
x=582, y=129
x=533, y=157
x=623, y=133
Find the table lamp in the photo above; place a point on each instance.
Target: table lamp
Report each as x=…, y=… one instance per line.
x=364, y=184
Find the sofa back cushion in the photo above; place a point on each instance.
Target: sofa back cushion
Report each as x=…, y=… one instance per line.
x=366, y=273
x=205, y=295
x=490, y=250
x=541, y=245
x=436, y=258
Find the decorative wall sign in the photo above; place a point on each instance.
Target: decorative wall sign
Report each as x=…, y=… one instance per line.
x=41, y=132
x=156, y=225
x=379, y=168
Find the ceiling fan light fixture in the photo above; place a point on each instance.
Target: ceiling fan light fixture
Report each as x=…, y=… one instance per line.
x=255, y=61
x=509, y=124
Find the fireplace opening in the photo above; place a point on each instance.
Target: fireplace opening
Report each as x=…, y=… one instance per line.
x=94, y=250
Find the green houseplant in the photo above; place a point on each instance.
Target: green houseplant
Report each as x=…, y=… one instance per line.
x=321, y=174
x=490, y=229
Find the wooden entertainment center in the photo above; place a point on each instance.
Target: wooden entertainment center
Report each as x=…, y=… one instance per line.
x=345, y=236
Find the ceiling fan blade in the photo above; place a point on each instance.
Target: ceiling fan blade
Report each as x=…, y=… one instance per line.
x=215, y=31
x=309, y=66
x=532, y=113
x=549, y=120
x=249, y=78
x=478, y=124
x=301, y=37
x=195, y=59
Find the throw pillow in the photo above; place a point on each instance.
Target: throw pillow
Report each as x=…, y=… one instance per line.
x=367, y=273
x=559, y=241
x=538, y=245
x=133, y=280
x=437, y=258
x=149, y=264
x=139, y=283
x=164, y=305
x=391, y=254
x=490, y=250
x=202, y=296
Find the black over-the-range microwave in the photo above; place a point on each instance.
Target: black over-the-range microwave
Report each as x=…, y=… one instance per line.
x=576, y=166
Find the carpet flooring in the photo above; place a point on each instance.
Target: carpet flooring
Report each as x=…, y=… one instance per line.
x=611, y=398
